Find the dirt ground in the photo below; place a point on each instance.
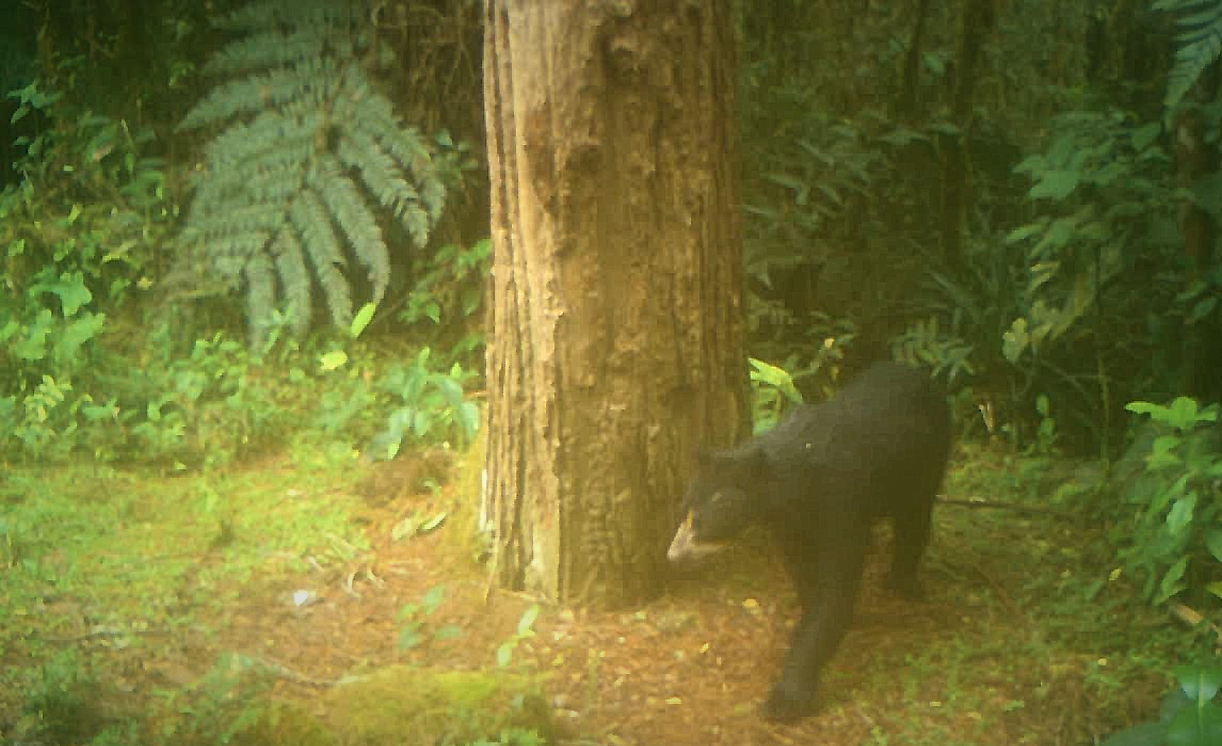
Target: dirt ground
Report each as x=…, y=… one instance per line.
x=691, y=667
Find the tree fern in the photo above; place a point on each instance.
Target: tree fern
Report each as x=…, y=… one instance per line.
x=306, y=154
x=1198, y=44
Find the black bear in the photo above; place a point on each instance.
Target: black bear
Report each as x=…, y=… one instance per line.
x=818, y=481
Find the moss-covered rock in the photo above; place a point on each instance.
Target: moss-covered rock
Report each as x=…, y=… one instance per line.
x=404, y=704
x=287, y=724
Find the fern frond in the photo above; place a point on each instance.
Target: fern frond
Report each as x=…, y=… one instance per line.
x=433, y=193
x=1198, y=43
x=258, y=92
x=373, y=116
x=260, y=296
x=411, y=155
x=267, y=50
x=378, y=170
x=271, y=187
x=270, y=139
x=309, y=152
x=354, y=218
x=293, y=13
x=229, y=254
x=295, y=279
x=253, y=220
x=310, y=220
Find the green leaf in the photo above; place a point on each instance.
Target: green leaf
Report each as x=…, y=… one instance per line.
x=1200, y=682
x=432, y=523
x=433, y=598
x=1202, y=309
x=71, y=290
x=422, y=422
x=34, y=344
x=471, y=298
x=1024, y=232
x=8, y=330
x=1180, y=517
x=1142, y=137
x=1171, y=583
x=1162, y=452
x=934, y=63
x=1031, y=164
x=1142, y=407
x=1146, y=734
x=405, y=529
x=361, y=320
x=1055, y=184
x=1015, y=340
x=447, y=632
x=1196, y=726
x=1185, y=413
x=467, y=417
x=333, y=360
x=76, y=333
x=1213, y=542
x=504, y=653
x=409, y=637
x=527, y=621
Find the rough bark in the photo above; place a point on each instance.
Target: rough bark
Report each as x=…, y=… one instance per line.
x=616, y=327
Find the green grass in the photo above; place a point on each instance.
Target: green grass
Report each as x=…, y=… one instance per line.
x=1025, y=614
x=122, y=557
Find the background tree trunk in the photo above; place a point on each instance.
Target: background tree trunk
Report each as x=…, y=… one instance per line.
x=977, y=21
x=616, y=342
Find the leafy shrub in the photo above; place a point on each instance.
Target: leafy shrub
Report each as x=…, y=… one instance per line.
x=91, y=201
x=522, y=632
x=1106, y=175
x=208, y=405
x=1176, y=541
x=773, y=393
x=69, y=247
x=1191, y=713
x=1089, y=261
x=925, y=343
x=427, y=406
x=1098, y=270
x=414, y=615
x=443, y=305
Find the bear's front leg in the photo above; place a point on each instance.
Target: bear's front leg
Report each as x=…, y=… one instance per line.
x=828, y=610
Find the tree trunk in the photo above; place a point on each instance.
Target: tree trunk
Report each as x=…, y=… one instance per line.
x=977, y=21
x=1196, y=158
x=910, y=84
x=616, y=305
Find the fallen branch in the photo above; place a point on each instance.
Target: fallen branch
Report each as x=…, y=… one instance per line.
x=980, y=502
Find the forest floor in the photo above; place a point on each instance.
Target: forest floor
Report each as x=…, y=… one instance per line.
x=1022, y=637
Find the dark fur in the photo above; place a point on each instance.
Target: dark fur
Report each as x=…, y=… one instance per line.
x=818, y=481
